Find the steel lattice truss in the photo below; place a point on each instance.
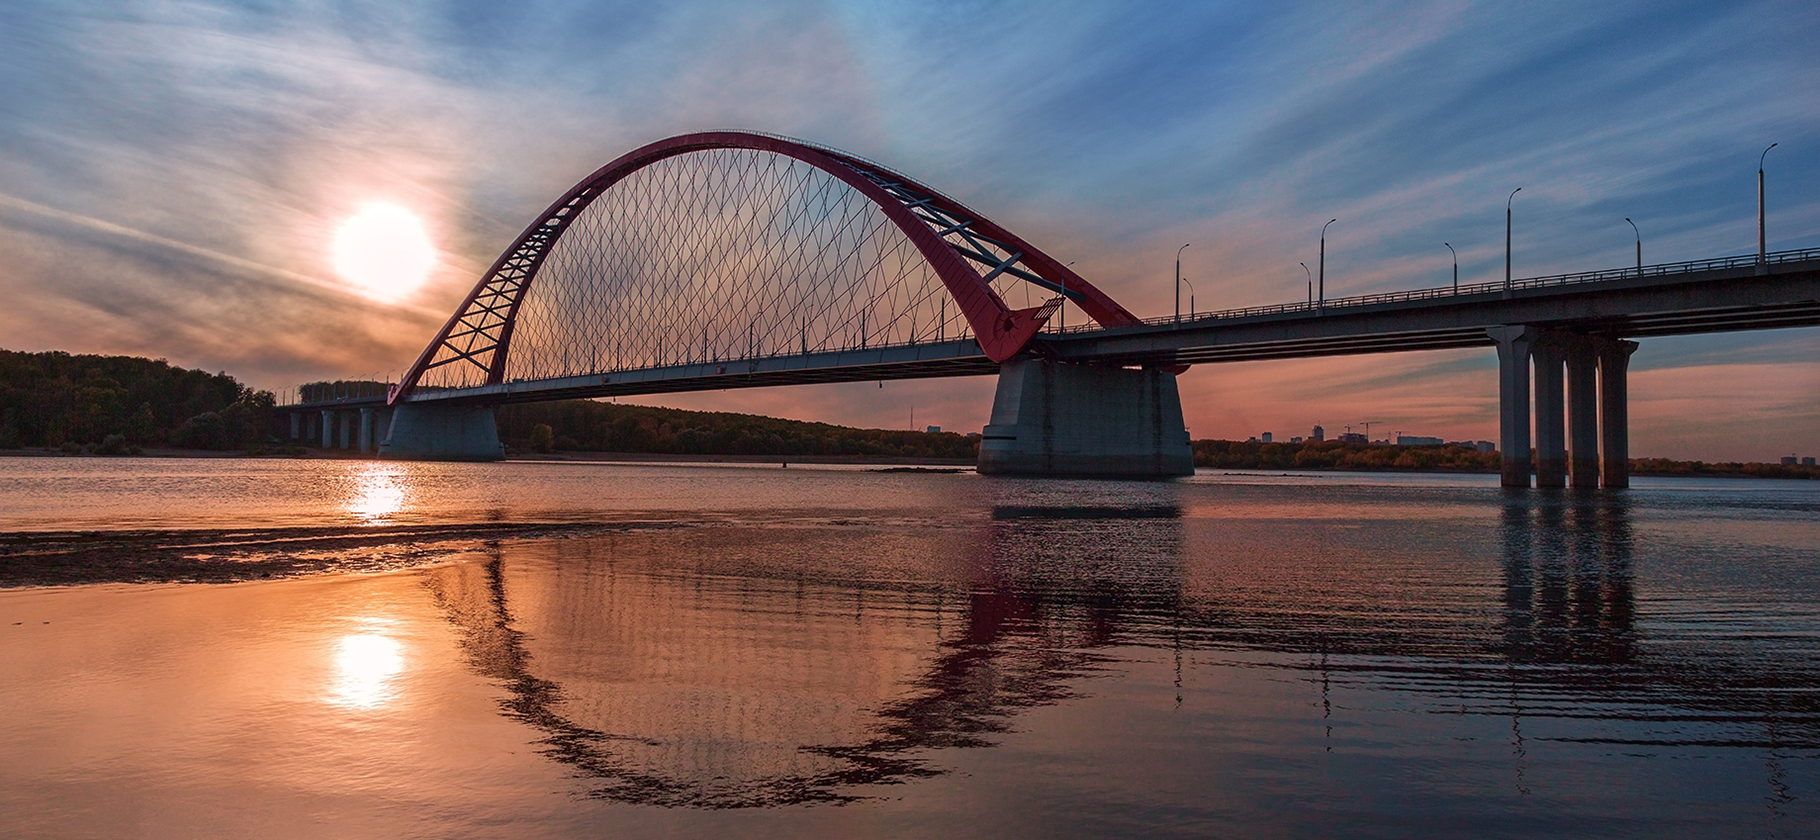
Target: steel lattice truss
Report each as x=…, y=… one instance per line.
x=732, y=246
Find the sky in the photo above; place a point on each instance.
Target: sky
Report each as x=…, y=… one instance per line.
x=172, y=173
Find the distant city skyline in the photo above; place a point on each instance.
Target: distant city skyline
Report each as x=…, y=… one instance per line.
x=178, y=180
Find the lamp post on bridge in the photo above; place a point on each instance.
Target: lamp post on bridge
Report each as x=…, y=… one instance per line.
x=1762, y=238
x=1513, y=195
x=1310, y=283
x=1178, y=282
x=1190, y=299
x=1456, y=267
x=1633, y=227
x=1321, y=300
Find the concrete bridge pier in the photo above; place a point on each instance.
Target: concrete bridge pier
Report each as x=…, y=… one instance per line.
x=1582, y=413
x=328, y=429
x=442, y=433
x=1514, y=345
x=366, y=430
x=1551, y=432
x=1614, y=411
x=1582, y=418
x=1060, y=419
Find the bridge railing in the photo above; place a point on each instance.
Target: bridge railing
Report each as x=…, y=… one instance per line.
x=1657, y=270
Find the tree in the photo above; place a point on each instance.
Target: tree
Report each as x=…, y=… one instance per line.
x=543, y=438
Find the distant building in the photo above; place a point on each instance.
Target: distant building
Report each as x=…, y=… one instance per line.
x=1485, y=446
x=1788, y=460
x=1353, y=437
x=1808, y=461
x=1266, y=437
x=972, y=435
x=933, y=430
x=1318, y=434
x=1417, y=440
x=1295, y=440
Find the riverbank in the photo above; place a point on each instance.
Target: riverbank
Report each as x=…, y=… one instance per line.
x=1209, y=454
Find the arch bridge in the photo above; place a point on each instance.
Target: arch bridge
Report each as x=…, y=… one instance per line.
x=736, y=259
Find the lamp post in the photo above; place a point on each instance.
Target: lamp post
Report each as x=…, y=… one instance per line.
x=1633, y=227
x=1456, y=268
x=1762, y=239
x=1190, y=299
x=1513, y=194
x=1321, y=299
x=1310, y=283
x=1178, y=282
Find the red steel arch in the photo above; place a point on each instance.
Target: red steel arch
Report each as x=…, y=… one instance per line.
x=480, y=331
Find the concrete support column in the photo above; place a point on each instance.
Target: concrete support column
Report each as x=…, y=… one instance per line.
x=1061, y=419
x=1614, y=411
x=366, y=430
x=442, y=433
x=346, y=420
x=296, y=425
x=1583, y=413
x=328, y=428
x=1514, y=345
x=1551, y=430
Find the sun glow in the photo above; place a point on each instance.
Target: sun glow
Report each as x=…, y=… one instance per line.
x=384, y=251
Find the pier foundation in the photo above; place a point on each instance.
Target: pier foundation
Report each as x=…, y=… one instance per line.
x=442, y=433
x=1059, y=419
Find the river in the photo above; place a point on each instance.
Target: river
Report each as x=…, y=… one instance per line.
x=610, y=650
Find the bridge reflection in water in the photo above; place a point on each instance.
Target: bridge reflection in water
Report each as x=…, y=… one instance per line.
x=731, y=666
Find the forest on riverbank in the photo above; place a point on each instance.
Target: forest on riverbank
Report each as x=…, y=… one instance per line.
x=588, y=426
x=113, y=405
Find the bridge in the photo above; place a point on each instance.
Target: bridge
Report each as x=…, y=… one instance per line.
x=737, y=260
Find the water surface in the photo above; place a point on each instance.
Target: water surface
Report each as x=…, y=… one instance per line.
x=674, y=650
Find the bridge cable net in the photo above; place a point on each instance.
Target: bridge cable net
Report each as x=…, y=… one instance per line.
x=717, y=256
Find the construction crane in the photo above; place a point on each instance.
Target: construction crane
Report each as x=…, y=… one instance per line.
x=1367, y=425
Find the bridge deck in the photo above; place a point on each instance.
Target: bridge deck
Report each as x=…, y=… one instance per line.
x=1673, y=299
x=1676, y=299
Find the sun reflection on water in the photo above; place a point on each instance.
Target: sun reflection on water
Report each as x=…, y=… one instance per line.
x=378, y=494
x=365, y=664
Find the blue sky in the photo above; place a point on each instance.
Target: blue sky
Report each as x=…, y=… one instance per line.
x=170, y=173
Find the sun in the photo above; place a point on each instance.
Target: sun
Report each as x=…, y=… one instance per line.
x=384, y=251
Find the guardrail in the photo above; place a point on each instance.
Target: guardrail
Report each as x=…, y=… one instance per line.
x=1657, y=270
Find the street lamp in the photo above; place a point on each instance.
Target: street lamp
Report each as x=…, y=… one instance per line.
x=1633, y=227
x=1762, y=240
x=1190, y=299
x=1513, y=194
x=1456, y=268
x=1178, y=282
x=1322, y=299
x=1310, y=283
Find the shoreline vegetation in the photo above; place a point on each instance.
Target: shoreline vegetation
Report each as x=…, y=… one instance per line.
x=54, y=403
